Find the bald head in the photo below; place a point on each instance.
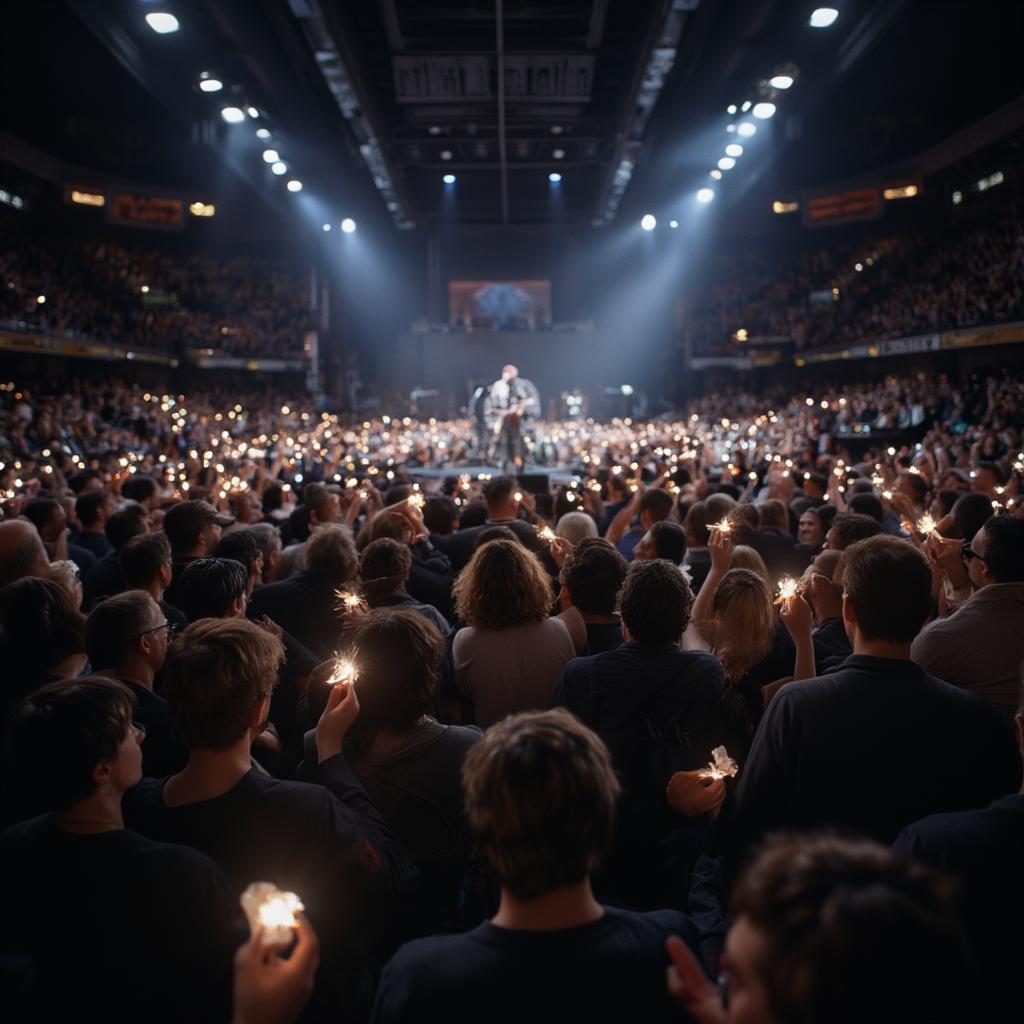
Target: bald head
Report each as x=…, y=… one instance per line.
x=21, y=552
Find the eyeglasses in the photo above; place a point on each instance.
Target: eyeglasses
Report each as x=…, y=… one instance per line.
x=171, y=627
x=967, y=553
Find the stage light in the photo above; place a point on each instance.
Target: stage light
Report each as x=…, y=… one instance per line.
x=449, y=179
x=781, y=81
x=262, y=133
x=294, y=185
x=734, y=149
x=822, y=17
x=233, y=115
x=279, y=168
x=716, y=174
x=162, y=23
x=705, y=195
x=554, y=177
x=144, y=289
x=785, y=206
x=730, y=128
x=556, y=129
x=558, y=154
x=348, y=225
x=762, y=111
x=746, y=129
x=271, y=156
x=326, y=227
x=858, y=267
x=673, y=224
x=200, y=209
x=746, y=106
x=731, y=109
x=252, y=112
x=726, y=163
x=648, y=222
x=88, y=198
x=434, y=129
x=210, y=83
x=446, y=154
x=40, y=299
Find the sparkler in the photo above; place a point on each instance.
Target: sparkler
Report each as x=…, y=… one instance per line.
x=721, y=766
x=724, y=525
x=272, y=909
x=788, y=588
x=416, y=500
x=927, y=525
x=546, y=534
x=350, y=600
x=345, y=671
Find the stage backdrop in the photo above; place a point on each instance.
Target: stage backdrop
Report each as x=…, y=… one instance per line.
x=555, y=361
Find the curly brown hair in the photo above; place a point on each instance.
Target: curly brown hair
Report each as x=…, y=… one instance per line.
x=504, y=585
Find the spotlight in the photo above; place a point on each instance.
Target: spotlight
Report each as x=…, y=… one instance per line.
x=648, y=222
x=821, y=17
x=262, y=133
x=252, y=112
x=446, y=154
x=858, y=267
x=162, y=23
x=279, y=168
x=348, y=225
x=558, y=154
x=731, y=109
x=294, y=185
x=734, y=149
x=556, y=129
x=726, y=163
x=271, y=156
x=326, y=227
x=763, y=111
x=705, y=195
x=554, y=177
x=210, y=83
x=746, y=129
x=449, y=179
x=716, y=174
x=781, y=81
x=233, y=115
x=746, y=106
x=673, y=224
x=434, y=129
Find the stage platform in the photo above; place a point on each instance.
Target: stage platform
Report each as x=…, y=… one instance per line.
x=534, y=477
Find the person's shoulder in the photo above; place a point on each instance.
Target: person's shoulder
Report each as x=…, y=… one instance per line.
x=655, y=925
x=424, y=957
x=462, y=736
x=26, y=832
x=703, y=662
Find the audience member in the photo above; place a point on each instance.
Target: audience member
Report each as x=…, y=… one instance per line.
x=384, y=569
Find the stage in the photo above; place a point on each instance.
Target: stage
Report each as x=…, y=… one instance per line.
x=535, y=478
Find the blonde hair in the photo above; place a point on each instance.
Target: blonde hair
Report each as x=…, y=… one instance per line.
x=744, y=557
x=743, y=622
x=504, y=585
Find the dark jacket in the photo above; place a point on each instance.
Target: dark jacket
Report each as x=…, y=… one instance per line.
x=305, y=605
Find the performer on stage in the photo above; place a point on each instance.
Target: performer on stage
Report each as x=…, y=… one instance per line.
x=512, y=403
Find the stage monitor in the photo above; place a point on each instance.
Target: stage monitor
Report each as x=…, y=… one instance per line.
x=499, y=305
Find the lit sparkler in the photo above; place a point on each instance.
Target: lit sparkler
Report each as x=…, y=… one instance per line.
x=721, y=766
x=273, y=910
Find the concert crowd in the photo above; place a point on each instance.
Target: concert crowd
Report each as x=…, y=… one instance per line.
x=719, y=719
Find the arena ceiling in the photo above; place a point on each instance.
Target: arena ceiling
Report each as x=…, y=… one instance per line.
x=372, y=102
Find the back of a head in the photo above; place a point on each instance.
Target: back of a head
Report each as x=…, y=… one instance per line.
x=124, y=524
x=440, y=514
x=746, y=516
x=384, y=567
x=575, y=526
x=497, y=533
x=397, y=493
x=540, y=801
x=655, y=602
x=207, y=587
x=917, y=483
x=669, y=541
x=889, y=583
x=970, y=512
x=88, y=505
x=216, y=673
x=851, y=933
x=316, y=497
x=743, y=621
x=240, y=545
x=267, y=537
x=390, y=524
x=60, y=733
x=503, y=586
x=657, y=503
x=183, y=522
x=696, y=524
x=399, y=654
x=21, y=551
x=39, y=511
x=498, y=491
x=773, y=516
x=1004, y=552
x=42, y=624
x=331, y=552
x=849, y=527
x=719, y=506
x=867, y=504
x=593, y=573
x=744, y=557
x=114, y=625
x=141, y=558
x=138, y=487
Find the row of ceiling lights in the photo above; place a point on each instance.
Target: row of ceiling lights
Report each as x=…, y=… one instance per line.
x=821, y=17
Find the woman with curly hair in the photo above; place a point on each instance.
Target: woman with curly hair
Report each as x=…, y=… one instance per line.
x=510, y=658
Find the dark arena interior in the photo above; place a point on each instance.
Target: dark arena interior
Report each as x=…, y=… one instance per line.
x=511, y=510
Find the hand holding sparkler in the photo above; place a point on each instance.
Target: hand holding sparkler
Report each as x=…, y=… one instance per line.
x=545, y=533
x=720, y=549
x=341, y=711
x=722, y=766
x=272, y=911
x=694, y=793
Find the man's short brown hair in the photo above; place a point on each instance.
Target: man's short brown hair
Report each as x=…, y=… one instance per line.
x=850, y=527
x=655, y=602
x=331, y=551
x=593, y=572
x=215, y=674
x=540, y=801
x=889, y=583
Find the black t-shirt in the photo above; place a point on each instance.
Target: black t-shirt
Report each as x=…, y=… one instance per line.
x=610, y=970
x=116, y=927
x=162, y=752
x=603, y=636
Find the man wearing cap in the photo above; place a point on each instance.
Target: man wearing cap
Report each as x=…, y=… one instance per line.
x=193, y=528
